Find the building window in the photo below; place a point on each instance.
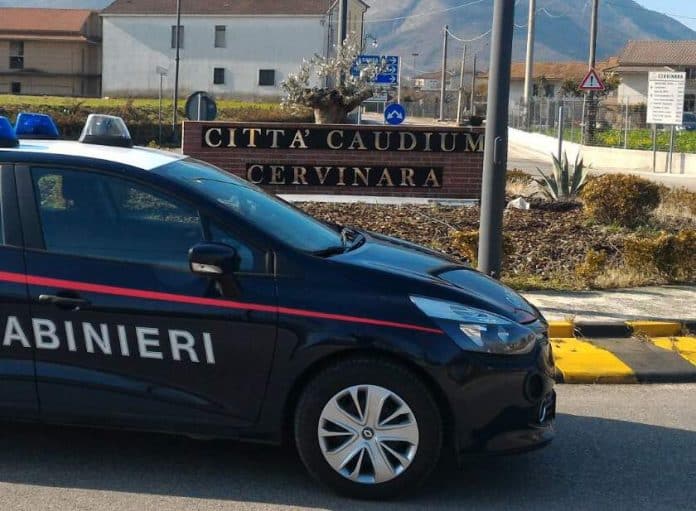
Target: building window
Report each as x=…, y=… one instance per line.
x=219, y=75
x=16, y=88
x=690, y=103
x=181, y=36
x=690, y=73
x=220, y=36
x=267, y=77
x=16, y=54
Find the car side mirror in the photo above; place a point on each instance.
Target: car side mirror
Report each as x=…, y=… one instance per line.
x=213, y=259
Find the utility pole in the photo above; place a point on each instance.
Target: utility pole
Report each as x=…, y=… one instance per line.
x=342, y=21
x=443, y=76
x=591, y=99
x=342, y=30
x=472, y=104
x=413, y=79
x=495, y=152
x=177, y=37
x=460, y=99
x=529, y=63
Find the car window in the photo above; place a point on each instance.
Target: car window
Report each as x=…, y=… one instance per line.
x=95, y=215
x=268, y=214
x=252, y=260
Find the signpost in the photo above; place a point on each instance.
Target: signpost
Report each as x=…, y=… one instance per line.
x=666, y=105
x=200, y=107
x=389, y=68
x=592, y=82
x=394, y=114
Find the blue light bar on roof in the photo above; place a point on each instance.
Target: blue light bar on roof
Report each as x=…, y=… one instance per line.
x=7, y=134
x=31, y=125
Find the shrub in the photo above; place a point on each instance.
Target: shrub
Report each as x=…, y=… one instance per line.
x=672, y=255
x=678, y=201
x=620, y=199
x=466, y=243
x=592, y=266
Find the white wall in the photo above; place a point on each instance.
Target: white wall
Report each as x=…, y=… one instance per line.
x=135, y=45
x=633, y=88
x=603, y=157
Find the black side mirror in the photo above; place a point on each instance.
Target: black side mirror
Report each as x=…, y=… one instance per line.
x=213, y=259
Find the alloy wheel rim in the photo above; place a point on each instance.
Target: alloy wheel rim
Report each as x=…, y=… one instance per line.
x=368, y=434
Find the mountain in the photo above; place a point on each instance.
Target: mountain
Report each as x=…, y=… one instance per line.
x=57, y=4
x=562, y=28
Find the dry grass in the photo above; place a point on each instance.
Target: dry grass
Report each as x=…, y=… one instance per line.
x=677, y=203
x=626, y=276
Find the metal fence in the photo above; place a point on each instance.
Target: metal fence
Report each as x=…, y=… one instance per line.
x=620, y=124
x=429, y=108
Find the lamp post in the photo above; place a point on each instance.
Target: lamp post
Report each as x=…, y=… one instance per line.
x=177, y=39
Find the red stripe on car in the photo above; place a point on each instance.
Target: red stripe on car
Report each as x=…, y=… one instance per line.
x=34, y=280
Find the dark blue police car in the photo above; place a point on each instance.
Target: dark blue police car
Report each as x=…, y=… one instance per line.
x=146, y=290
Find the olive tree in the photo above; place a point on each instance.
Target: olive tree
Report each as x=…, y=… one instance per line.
x=331, y=103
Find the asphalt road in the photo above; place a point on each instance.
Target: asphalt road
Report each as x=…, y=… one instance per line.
x=618, y=447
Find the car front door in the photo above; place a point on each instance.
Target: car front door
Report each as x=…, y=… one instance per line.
x=18, y=397
x=125, y=333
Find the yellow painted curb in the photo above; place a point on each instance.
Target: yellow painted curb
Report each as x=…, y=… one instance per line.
x=655, y=328
x=583, y=362
x=685, y=346
x=561, y=329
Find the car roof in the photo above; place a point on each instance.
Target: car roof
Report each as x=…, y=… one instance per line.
x=140, y=157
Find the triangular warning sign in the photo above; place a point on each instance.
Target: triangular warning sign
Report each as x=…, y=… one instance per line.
x=592, y=81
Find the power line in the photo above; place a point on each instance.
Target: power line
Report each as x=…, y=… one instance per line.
x=480, y=36
x=428, y=13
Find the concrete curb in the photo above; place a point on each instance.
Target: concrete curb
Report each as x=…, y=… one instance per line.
x=648, y=328
x=624, y=352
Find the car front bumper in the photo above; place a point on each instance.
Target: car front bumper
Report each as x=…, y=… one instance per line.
x=501, y=404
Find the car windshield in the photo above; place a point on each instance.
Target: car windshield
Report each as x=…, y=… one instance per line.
x=269, y=214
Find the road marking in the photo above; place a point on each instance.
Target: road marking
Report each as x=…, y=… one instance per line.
x=685, y=346
x=583, y=362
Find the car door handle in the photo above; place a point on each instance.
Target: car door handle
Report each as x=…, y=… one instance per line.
x=65, y=302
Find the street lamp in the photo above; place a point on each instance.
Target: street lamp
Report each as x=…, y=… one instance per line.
x=162, y=72
x=413, y=79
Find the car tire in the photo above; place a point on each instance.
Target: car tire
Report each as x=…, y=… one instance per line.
x=386, y=400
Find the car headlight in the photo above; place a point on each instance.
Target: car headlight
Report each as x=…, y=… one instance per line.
x=477, y=330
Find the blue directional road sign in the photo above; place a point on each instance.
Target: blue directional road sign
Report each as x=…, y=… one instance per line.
x=388, y=64
x=394, y=114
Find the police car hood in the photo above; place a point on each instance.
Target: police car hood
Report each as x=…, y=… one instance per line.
x=408, y=260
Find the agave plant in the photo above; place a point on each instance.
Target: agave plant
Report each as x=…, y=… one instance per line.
x=565, y=182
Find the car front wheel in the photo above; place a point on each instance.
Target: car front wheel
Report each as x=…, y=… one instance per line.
x=368, y=429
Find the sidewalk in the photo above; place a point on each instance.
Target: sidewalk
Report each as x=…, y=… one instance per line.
x=618, y=305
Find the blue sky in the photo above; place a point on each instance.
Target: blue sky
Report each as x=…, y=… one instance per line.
x=681, y=7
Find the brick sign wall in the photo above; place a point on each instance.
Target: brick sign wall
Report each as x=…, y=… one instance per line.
x=412, y=161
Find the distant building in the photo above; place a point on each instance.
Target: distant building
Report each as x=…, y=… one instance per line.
x=50, y=51
x=431, y=81
x=638, y=58
x=548, y=77
x=241, y=47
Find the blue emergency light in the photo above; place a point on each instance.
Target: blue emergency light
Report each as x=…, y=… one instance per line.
x=7, y=134
x=31, y=125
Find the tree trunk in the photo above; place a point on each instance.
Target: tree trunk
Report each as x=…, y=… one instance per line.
x=330, y=114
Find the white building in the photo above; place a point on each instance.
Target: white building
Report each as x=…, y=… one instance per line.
x=241, y=47
x=638, y=58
